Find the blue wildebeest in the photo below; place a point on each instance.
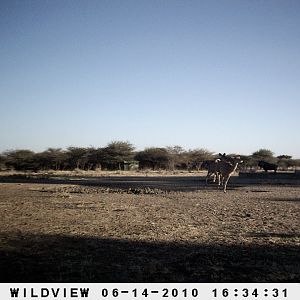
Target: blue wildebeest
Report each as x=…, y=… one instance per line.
x=267, y=166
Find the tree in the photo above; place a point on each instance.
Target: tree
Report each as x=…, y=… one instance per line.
x=115, y=153
x=154, y=158
x=21, y=160
x=196, y=157
x=176, y=156
x=52, y=158
x=248, y=161
x=93, y=158
x=285, y=161
x=265, y=155
x=76, y=157
x=2, y=162
x=284, y=157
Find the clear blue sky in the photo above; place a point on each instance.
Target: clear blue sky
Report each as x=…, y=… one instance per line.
x=220, y=75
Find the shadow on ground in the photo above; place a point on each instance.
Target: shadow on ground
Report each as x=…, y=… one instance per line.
x=274, y=235
x=166, y=183
x=39, y=258
x=285, y=199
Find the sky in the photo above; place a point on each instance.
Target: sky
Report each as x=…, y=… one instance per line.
x=219, y=75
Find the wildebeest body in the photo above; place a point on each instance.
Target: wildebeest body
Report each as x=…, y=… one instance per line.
x=267, y=166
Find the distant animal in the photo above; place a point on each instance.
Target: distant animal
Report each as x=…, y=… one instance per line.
x=226, y=167
x=212, y=169
x=267, y=166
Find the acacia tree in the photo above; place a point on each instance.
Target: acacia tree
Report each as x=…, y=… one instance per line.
x=248, y=162
x=92, y=158
x=20, y=160
x=197, y=156
x=76, y=157
x=115, y=153
x=154, y=158
x=2, y=162
x=176, y=157
x=286, y=161
x=265, y=155
x=52, y=158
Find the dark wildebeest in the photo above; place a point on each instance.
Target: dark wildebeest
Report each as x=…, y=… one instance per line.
x=267, y=166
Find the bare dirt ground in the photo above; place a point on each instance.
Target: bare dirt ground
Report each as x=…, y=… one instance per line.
x=145, y=229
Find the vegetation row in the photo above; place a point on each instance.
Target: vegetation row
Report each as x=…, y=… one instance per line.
x=119, y=155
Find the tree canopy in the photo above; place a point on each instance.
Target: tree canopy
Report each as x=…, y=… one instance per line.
x=116, y=154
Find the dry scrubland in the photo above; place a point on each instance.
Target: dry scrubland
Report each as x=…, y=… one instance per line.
x=75, y=233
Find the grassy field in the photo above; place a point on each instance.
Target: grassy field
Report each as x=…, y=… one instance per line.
x=53, y=232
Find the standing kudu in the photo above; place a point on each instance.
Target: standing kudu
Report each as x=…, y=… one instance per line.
x=226, y=167
x=212, y=169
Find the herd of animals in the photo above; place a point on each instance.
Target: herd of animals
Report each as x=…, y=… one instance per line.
x=223, y=167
